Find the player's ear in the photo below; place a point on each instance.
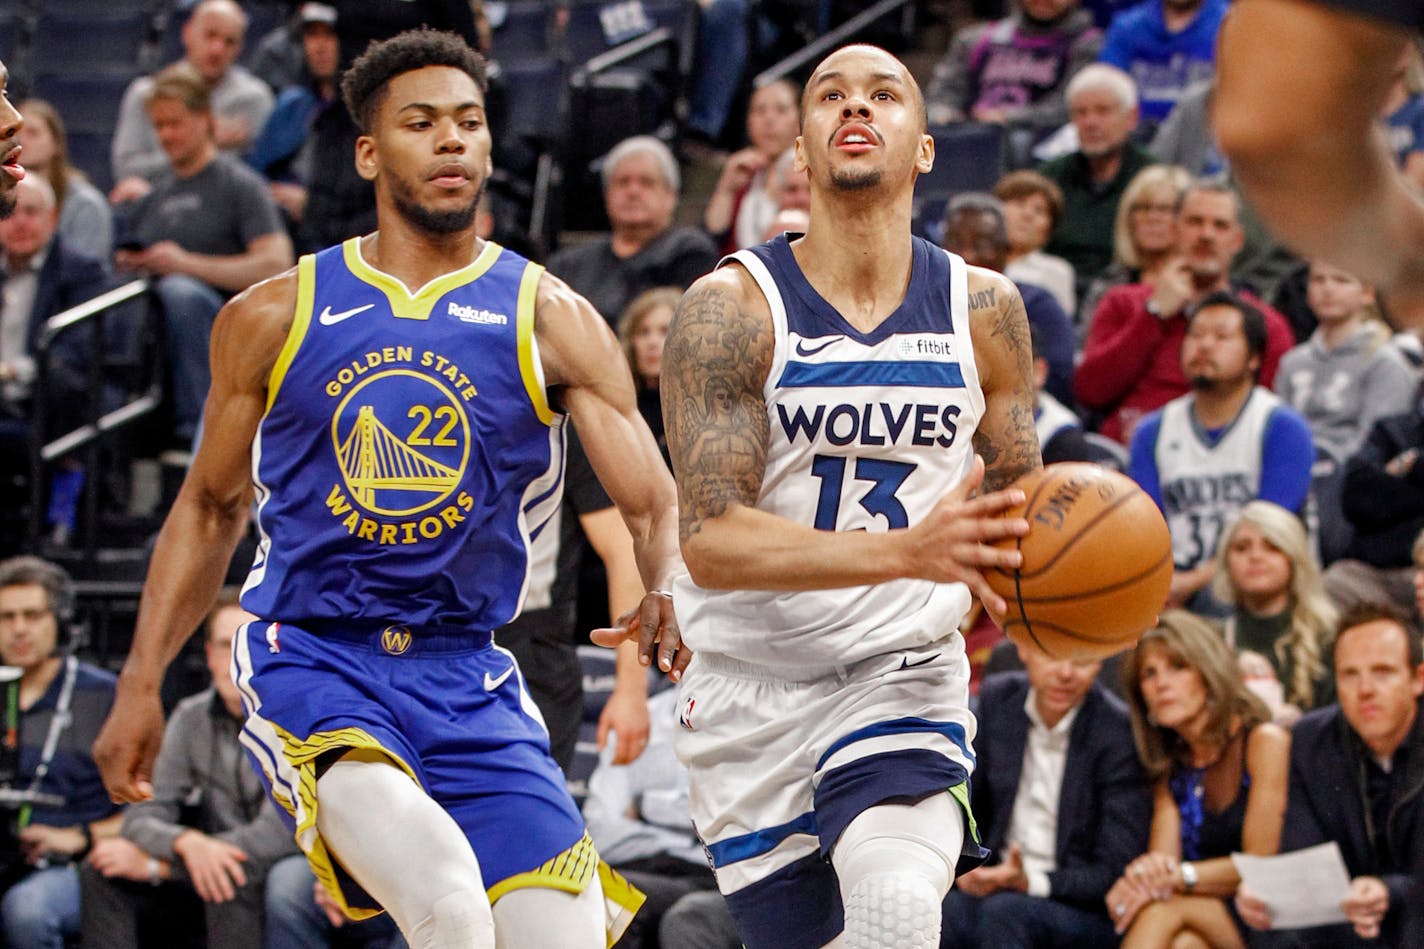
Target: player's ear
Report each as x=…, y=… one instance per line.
x=925, y=162
x=366, y=157
x=798, y=156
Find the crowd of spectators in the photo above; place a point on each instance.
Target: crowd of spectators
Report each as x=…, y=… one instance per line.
x=1263, y=402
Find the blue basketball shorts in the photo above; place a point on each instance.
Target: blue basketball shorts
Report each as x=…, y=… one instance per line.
x=446, y=706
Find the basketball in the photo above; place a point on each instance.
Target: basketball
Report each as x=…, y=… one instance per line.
x=1097, y=563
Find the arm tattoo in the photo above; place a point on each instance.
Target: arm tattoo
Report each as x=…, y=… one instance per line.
x=714, y=364
x=1007, y=439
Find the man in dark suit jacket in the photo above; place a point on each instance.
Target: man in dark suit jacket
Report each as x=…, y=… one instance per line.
x=1061, y=799
x=1357, y=778
x=39, y=277
x=42, y=276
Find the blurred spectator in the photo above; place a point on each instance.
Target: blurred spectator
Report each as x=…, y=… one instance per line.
x=208, y=229
x=1060, y=797
x=1165, y=45
x=208, y=829
x=700, y=920
x=726, y=32
x=1102, y=104
x=85, y=220
x=361, y=21
x=1356, y=777
x=1131, y=360
x=301, y=914
x=284, y=152
x=43, y=276
x=1013, y=71
x=642, y=331
x=1382, y=496
x=1033, y=206
x=543, y=636
x=1267, y=573
x=1185, y=138
x=1220, y=769
x=61, y=703
x=641, y=186
x=975, y=228
x=212, y=41
x=638, y=817
x=745, y=198
x=1227, y=442
x=1343, y=379
x=1060, y=432
x=1144, y=234
x=1403, y=114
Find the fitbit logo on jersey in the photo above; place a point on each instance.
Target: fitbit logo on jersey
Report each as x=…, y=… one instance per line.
x=874, y=423
x=470, y=314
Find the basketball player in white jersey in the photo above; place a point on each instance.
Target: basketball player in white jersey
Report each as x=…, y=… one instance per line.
x=829, y=398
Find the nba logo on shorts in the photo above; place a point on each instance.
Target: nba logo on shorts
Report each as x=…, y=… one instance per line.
x=685, y=717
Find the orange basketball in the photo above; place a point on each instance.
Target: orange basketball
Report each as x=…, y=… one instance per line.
x=1097, y=563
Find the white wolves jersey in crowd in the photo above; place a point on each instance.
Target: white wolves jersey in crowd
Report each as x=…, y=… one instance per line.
x=408, y=456
x=868, y=431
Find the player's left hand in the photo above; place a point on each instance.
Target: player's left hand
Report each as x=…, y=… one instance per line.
x=626, y=715
x=654, y=624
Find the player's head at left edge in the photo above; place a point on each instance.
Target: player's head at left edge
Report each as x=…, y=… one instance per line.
x=419, y=101
x=10, y=169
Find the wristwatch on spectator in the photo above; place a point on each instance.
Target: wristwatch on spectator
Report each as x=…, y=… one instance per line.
x=1189, y=876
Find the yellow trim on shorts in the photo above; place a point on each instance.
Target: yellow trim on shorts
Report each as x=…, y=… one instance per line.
x=572, y=871
x=524, y=325
x=416, y=306
x=301, y=321
x=960, y=793
x=302, y=755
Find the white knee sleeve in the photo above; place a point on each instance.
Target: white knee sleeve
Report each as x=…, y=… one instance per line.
x=417, y=862
x=895, y=863
x=539, y=917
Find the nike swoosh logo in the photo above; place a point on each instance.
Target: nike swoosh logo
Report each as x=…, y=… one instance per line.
x=329, y=318
x=801, y=349
x=492, y=684
x=907, y=664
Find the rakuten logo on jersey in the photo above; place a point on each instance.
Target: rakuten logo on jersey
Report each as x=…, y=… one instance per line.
x=470, y=314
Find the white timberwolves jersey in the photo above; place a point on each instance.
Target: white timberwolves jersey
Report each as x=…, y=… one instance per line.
x=1204, y=486
x=868, y=431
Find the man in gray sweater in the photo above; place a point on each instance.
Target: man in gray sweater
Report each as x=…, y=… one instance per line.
x=209, y=828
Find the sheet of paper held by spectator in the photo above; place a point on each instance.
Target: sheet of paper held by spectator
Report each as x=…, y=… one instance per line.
x=1303, y=888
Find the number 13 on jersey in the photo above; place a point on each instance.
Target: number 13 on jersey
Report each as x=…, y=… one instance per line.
x=884, y=478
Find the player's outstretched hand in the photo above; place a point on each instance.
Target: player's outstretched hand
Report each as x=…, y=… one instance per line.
x=128, y=744
x=654, y=625
x=956, y=540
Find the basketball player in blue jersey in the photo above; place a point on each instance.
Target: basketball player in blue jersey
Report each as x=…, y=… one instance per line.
x=843, y=409
x=404, y=448
x=10, y=169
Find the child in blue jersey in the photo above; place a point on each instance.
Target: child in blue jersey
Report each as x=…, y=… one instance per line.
x=405, y=447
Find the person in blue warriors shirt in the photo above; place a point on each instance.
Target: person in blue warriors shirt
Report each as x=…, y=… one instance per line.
x=833, y=402
x=404, y=448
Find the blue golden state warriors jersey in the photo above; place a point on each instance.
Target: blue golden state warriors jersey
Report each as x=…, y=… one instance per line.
x=407, y=457
x=867, y=431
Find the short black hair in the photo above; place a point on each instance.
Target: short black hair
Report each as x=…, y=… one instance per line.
x=363, y=88
x=1253, y=321
x=1373, y=611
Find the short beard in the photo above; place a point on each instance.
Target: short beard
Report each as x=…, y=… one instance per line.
x=856, y=180
x=440, y=223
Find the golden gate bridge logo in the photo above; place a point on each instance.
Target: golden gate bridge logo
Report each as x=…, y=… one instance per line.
x=393, y=474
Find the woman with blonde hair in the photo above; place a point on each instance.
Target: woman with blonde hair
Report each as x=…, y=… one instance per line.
x=1219, y=768
x=1144, y=232
x=642, y=331
x=1283, y=622
x=85, y=220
